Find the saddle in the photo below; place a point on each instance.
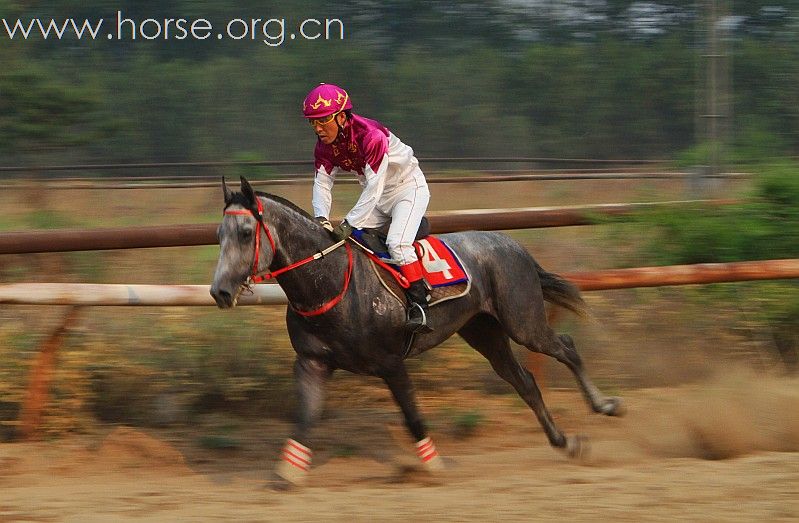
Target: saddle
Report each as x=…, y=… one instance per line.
x=375, y=239
x=443, y=270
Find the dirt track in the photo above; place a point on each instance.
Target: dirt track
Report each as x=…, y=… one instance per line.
x=727, y=450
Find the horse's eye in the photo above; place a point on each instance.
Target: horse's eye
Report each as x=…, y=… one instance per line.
x=245, y=234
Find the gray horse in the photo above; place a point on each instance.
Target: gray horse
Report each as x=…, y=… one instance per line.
x=341, y=317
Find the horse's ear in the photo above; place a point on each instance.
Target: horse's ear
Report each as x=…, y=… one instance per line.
x=226, y=192
x=246, y=190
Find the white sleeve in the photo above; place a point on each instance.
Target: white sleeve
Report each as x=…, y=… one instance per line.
x=375, y=181
x=322, y=199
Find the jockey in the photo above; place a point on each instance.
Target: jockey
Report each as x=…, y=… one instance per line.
x=393, y=187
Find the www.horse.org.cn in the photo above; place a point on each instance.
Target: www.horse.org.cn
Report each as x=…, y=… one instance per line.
x=270, y=31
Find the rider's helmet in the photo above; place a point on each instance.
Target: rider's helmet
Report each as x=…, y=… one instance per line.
x=325, y=100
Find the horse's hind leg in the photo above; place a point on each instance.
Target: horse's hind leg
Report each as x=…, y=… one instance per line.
x=486, y=335
x=523, y=318
x=562, y=349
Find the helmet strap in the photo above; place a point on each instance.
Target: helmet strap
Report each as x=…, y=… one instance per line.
x=340, y=128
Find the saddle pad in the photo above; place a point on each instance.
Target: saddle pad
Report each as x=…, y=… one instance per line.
x=448, y=291
x=440, y=265
x=437, y=295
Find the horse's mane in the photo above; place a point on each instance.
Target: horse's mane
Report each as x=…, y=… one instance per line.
x=283, y=201
x=239, y=199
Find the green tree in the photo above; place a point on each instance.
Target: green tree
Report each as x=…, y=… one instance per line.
x=39, y=112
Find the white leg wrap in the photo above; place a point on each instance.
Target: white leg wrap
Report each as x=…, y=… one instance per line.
x=427, y=452
x=295, y=462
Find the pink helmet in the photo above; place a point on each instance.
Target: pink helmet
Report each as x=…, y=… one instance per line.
x=324, y=100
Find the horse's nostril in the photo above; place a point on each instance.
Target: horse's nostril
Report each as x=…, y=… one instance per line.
x=222, y=298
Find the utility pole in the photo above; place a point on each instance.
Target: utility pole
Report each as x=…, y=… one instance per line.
x=714, y=108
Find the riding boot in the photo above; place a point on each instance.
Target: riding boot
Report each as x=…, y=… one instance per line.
x=417, y=297
x=417, y=307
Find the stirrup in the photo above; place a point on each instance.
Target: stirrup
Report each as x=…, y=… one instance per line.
x=417, y=319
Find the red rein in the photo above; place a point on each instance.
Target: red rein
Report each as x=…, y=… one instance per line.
x=255, y=277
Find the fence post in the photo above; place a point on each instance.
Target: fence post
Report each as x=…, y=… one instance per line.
x=41, y=375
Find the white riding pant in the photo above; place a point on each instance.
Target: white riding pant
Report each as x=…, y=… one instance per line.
x=404, y=207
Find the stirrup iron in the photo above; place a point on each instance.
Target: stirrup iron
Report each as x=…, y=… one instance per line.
x=417, y=324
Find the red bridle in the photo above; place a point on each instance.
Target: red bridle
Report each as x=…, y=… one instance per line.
x=255, y=277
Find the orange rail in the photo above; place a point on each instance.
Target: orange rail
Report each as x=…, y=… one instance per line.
x=205, y=234
x=698, y=274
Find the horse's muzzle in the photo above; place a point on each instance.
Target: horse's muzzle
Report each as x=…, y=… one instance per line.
x=223, y=299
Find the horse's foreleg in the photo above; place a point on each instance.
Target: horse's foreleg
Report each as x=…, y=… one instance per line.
x=486, y=335
x=310, y=377
x=399, y=383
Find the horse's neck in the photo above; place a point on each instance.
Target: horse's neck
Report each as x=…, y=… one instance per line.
x=294, y=237
x=295, y=240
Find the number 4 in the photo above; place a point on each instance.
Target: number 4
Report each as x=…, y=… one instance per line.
x=431, y=261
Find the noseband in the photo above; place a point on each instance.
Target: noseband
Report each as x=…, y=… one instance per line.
x=258, y=277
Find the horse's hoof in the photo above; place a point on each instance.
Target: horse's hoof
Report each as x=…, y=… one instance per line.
x=577, y=447
x=289, y=474
x=416, y=474
x=613, y=406
x=435, y=465
x=278, y=484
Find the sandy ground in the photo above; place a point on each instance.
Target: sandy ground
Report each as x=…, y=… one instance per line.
x=724, y=450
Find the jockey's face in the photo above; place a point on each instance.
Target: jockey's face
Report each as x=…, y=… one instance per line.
x=327, y=132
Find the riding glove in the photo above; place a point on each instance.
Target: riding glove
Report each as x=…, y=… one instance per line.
x=324, y=222
x=341, y=231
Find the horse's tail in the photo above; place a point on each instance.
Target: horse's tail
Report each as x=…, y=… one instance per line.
x=561, y=292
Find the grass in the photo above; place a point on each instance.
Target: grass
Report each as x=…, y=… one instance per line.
x=461, y=423
x=47, y=219
x=466, y=423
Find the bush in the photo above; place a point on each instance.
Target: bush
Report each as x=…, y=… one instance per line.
x=765, y=226
x=753, y=145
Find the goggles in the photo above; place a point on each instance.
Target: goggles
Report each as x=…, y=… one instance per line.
x=313, y=122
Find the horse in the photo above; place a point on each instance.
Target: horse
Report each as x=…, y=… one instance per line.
x=340, y=316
